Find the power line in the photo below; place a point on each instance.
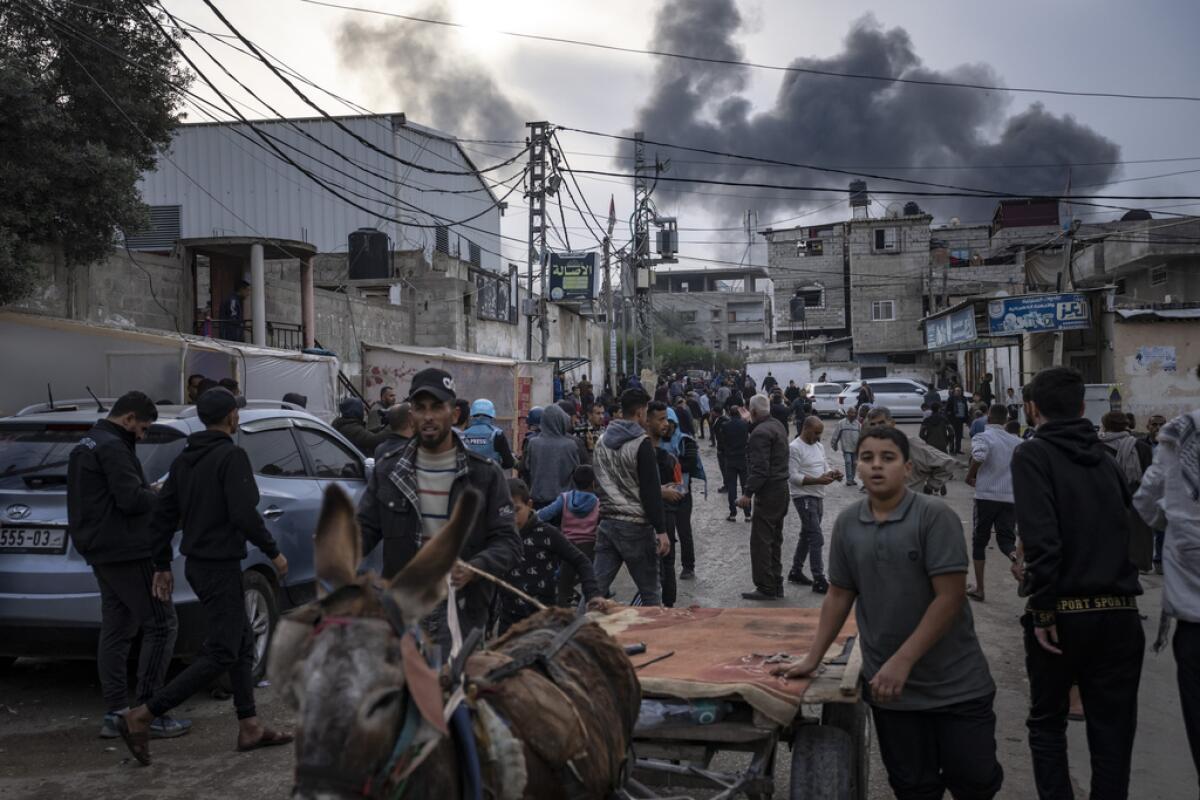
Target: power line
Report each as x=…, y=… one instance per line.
x=361, y=140
x=756, y=65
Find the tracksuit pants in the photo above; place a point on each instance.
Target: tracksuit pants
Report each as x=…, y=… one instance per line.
x=127, y=605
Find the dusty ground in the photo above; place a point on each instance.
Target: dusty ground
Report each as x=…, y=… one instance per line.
x=50, y=710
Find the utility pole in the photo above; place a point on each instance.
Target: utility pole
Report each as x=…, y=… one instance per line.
x=1067, y=281
x=643, y=355
x=538, y=146
x=608, y=292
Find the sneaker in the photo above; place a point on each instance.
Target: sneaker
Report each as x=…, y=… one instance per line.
x=943, y=491
x=748, y=518
x=722, y=490
x=108, y=728
x=799, y=577
x=851, y=483
x=820, y=585
x=732, y=518
x=165, y=727
x=687, y=575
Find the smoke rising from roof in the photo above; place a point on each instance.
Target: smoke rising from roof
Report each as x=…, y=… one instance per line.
x=433, y=82
x=845, y=122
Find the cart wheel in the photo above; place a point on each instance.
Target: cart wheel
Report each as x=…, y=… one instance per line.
x=822, y=764
x=855, y=721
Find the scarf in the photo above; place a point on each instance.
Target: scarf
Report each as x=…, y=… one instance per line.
x=1181, y=433
x=1127, y=458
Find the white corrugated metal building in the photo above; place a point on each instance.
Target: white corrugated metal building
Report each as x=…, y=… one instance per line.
x=222, y=179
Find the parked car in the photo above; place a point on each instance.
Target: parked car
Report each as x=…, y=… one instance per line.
x=902, y=396
x=824, y=398
x=49, y=600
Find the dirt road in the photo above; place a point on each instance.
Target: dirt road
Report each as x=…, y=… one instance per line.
x=50, y=711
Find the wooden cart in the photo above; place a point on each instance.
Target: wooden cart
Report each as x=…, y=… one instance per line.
x=829, y=733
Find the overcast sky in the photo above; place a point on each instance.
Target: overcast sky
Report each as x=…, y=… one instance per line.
x=481, y=82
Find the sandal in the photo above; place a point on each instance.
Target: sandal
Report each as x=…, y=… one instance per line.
x=269, y=738
x=138, y=743
x=975, y=595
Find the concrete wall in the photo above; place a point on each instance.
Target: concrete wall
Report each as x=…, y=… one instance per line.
x=791, y=268
x=1147, y=387
x=145, y=291
x=888, y=275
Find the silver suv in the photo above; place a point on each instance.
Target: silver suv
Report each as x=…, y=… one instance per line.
x=49, y=600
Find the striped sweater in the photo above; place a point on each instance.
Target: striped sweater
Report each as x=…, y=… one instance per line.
x=435, y=474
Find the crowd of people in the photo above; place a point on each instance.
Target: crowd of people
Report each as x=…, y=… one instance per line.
x=607, y=480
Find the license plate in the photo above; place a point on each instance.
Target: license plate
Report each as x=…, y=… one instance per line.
x=33, y=540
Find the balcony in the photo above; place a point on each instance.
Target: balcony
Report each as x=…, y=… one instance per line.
x=282, y=335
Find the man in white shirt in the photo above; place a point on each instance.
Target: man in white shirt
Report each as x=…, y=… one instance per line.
x=808, y=475
x=991, y=475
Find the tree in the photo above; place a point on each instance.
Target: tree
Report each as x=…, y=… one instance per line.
x=90, y=93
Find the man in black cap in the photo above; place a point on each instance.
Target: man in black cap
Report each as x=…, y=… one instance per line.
x=211, y=491
x=414, y=488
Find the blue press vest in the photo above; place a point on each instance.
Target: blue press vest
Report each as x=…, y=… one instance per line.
x=480, y=437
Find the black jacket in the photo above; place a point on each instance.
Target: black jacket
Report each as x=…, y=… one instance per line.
x=356, y=431
x=782, y=413
x=389, y=512
x=1071, y=503
x=767, y=457
x=108, y=500
x=212, y=495
x=733, y=437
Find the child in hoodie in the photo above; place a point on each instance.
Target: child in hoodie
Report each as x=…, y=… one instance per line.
x=544, y=549
x=577, y=513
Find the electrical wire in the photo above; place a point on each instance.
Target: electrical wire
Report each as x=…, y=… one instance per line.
x=308, y=101
x=793, y=69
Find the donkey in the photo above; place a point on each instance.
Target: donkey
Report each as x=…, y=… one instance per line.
x=546, y=712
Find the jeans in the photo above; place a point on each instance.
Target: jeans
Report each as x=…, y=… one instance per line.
x=810, y=510
x=567, y=577
x=127, y=605
x=733, y=474
x=1102, y=652
x=1186, y=645
x=683, y=532
x=1003, y=516
x=228, y=645
x=666, y=563
x=851, y=459
x=1159, y=536
x=635, y=546
x=952, y=748
x=766, y=538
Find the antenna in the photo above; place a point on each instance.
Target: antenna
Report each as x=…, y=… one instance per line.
x=50, y=394
x=99, y=406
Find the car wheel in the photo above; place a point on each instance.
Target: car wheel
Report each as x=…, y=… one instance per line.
x=262, y=615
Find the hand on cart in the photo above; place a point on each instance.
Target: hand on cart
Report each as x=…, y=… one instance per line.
x=799, y=669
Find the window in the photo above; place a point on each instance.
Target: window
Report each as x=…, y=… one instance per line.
x=441, y=239
x=1121, y=287
x=683, y=286
x=716, y=314
x=1158, y=275
x=886, y=239
x=330, y=458
x=960, y=258
x=812, y=247
x=716, y=344
x=827, y=389
x=813, y=298
x=687, y=316
x=883, y=310
x=273, y=453
x=475, y=254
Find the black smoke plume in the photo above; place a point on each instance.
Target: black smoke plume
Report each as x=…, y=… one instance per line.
x=846, y=122
x=435, y=83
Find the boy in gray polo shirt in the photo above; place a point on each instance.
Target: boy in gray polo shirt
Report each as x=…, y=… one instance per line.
x=903, y=557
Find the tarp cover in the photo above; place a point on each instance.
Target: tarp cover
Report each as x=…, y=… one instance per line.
x=719, y=652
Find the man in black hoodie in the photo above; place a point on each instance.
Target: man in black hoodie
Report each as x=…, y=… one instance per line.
x=211, y=490
x=109, y=504
x=1081, y=621
x=732, y=439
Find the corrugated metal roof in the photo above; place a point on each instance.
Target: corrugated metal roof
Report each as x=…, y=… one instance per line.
x=228, y=186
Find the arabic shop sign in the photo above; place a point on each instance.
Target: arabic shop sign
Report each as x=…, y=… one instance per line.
x=951, y=329
x=572, y=277
x=1012, y=316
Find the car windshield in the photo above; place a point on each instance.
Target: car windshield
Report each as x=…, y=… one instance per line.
x=36, y=456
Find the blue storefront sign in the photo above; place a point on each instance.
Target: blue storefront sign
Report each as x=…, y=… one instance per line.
x=951, y=329
x=1036, y=313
